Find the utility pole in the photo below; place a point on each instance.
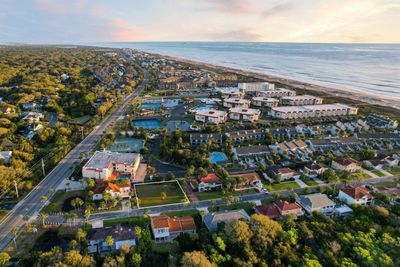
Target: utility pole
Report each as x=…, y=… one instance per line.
x=82, y=132
x=44, y=172
x=16, y=188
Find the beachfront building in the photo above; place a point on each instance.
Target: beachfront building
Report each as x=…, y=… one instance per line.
x=261, y=101
x=211, y=115
x=107, y=165
x=312, y=111
x=236, y=103
x=256, y=86
x=166, y=228
x=244, y=114
x=231, y=93
x=279, y=92
x=301, y=100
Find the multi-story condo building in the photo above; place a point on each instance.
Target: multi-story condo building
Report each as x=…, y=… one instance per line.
x=236, y=103
x=312, y=111
x=301, y=100
x=107, y=165
x=279, y=92
x=244, y=114
x=212, y=115
x=261, y=101
x=256, y=86
x=231, y=93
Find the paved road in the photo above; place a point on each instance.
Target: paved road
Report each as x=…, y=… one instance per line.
x=31, y=204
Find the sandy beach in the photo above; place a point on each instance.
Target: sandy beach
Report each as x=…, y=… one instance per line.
x=345, y=92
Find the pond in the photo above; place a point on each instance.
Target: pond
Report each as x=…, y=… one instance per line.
x=132, y=145
x=148, y=124
x=216, y=157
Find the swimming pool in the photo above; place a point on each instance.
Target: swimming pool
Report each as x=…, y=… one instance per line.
x=216, y=157
x=151, y=106
x=147, y=124
x=127, y=145
x=205, y=107
x=182, y=125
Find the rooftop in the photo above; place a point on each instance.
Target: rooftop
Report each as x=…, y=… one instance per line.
x=356, y=192
x=211, y=113
x=174, y=224
x=245, y=111
x=102, y=159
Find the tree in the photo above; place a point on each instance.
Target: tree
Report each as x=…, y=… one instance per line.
x=135, y=260
x=195, y=259
x=43, y=199
x=4, y=258
x=80, y=234
x=73, y=244
x=238, y=232
x=43, y=216
x=14, y=231
x=109, y=241
x=163, y=195
x=128, y=205
x=106, y=197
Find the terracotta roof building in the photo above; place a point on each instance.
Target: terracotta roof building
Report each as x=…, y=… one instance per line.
x=355, y=195
x=278, y=209
x=166, y=228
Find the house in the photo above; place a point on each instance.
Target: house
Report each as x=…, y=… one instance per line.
x=346, y=164
x=32, y=117
x=208, y=182
x=316, y=202
x=312, y=111
x=107, y=165
x=301, y=100
x=244, y=135
x=247, y=151
x=211, y=220
x=392, y=193
x=244, y=114
x=30, y=106
x=236, y=103
x=202, y=138
x=261, y=101
x=282, y=173
x=376, y=164
x=211, y=115
x=121, y=235
x=391, y=161
x=355, y=195
x=166, y=228
x=8, y=144
x=5, y=156
x=278, y=209
x=314, y=169
x=231, y=93
x=381, y=121
x=115, y=190
x=7, y=110
x=247, y=180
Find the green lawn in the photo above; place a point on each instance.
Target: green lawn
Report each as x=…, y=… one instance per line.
x=152, y=194
x=181, y=213
x=142, y=221
x=379, y=173
x=247, y=206
x=81, y=120
x=282, y=186
x=394, y=171
x=3, y=213
x=218, y=194
x=58, y=199
x=309, y=182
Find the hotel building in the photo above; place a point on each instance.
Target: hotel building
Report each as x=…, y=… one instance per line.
x=231, y=93
x=260, y=101
x=256, y=86
x=279, y=92
x=312, y=111
x=212, y=115
x=244, y=114
x=301, y=100
x=236, y=103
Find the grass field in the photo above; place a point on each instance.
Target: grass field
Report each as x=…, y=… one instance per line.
x=81, y=120
x=282, y=186
x=379, y=173
x=393, y=171
x=151, y=194
x=309, y=182
x=141, y=221
x=218, y=194
x=58, y=199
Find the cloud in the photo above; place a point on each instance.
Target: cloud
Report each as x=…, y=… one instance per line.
x=227, y=6
x=244, y=35
x=60, y=7
x=277, y=9
x=122, y=30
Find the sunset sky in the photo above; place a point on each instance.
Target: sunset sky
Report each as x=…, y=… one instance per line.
x=80, y=21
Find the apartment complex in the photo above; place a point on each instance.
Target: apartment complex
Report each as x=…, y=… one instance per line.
x=212, y=115
x=279, y=92
x=256, y=86
x=107, y=165
x=231, y=93
x=261, y=101
x=301, y=100
x=244, y=114
x=236, y=103
x=312, y=111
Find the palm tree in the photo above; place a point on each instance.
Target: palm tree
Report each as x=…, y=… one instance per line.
x=128, y=204
x=43, y=217
x=109, y=241
x=14, y=231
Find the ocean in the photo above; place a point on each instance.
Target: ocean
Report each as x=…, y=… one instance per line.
x=364, y=68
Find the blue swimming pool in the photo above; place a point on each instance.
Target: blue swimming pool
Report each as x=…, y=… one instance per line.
x=205, y=107
x=127, y=144
x=147, y=124
x=216, y=157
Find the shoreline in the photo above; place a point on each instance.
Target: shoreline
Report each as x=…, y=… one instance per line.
x=364, y=97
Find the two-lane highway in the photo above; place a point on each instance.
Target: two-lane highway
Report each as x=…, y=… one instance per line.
x=31, y=204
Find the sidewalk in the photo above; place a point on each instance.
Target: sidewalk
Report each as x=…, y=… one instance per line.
x=300, y=183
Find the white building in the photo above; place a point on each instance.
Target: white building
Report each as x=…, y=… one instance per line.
x=236, y=103
x=316, y=202
x=301, y=100
x=231, y=93
x=212, y=115
x=261, y=101
x=5, y=156
x=115, y=190
x=256, y=86
x=279, y=92
x=312, y=111
x=107, y=165
x=166, y=228
x=244, y=114
x=355, y=195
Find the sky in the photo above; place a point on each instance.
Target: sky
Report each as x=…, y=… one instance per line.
x=84, y=21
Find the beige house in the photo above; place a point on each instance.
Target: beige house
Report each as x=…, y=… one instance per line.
x=236, y=103
x=261, y=101
x=244, y=114
x=212, y=115
x=346, y=164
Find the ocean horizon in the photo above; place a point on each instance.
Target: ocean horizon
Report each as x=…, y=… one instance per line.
x=364, y=68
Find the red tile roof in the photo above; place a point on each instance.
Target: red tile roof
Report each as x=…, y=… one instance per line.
x=271, y=211
x=209, y=178
x=175, y=224
x=347, y=161
x=286, y=206
x=116, y=188
x=356, y=192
